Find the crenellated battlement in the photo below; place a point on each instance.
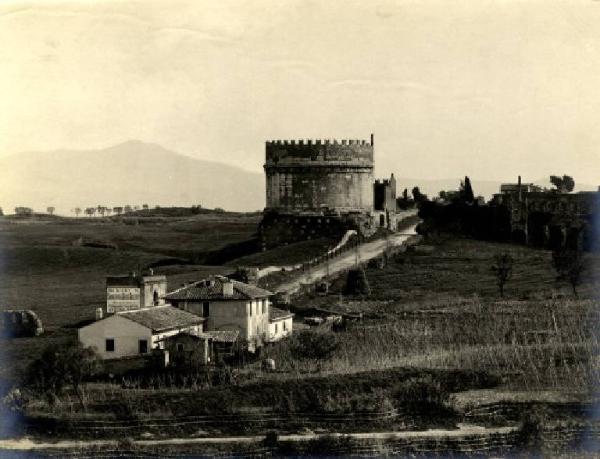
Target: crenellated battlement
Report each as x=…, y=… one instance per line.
x=324, y=152
x=307, y=142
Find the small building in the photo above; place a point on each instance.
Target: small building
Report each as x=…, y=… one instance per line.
x=227, y=305
x=137, y=332
x=280, y=324
x=132, y=291
x=201, y=348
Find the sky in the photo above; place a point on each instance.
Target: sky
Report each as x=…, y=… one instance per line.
x=489, y=89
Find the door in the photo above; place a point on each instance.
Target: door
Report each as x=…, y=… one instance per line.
x=143, y=346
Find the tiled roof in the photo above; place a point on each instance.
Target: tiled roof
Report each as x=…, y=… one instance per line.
x=278, y=314
x=212, y=289
x=219, y=336
x=161, y=318
x=223, y=336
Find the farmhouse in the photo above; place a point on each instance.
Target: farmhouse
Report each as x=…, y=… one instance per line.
x=137, y=332
x=133, y=291
x=280, y=324
x=227, y=305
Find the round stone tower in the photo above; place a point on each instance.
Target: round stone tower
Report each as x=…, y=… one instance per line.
x=319, y=176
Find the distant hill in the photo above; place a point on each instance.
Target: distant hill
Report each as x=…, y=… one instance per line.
x=137, y=173
x=132, y=173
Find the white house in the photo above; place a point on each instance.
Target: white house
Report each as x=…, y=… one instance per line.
x=137, y=332
x=227, y=305
x=280, y=324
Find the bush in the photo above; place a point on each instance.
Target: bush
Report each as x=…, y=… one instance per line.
x=421, y=395
x=313, y=345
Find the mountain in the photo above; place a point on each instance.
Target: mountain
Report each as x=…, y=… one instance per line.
x=132, y=173
x=137, y=173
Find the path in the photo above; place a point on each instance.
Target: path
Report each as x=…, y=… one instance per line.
x=464, y=430
x=366, y=252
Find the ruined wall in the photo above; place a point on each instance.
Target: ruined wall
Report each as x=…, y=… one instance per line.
x=315, y=176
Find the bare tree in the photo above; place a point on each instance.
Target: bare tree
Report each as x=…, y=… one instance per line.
x=502, y=267
x=77, y=211
x=569, y=266
x=50, y=210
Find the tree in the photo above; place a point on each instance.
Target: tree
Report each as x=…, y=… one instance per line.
x=61, y=366
x=1, y=211
x=25, y=211
x=118, y=210
x=569, y=266
x=405, y=194
x=77, y=211
x=466, y=191
x=417, y=195
x=145, y=206
x=448, y=196
x=90, y=211
x=502, y=267
x=564, y=184
x=50, y=210
x=101, y=210
x=128, y=209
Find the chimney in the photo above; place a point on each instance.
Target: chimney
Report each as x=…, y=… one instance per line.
x=372, y=140
x=519, y=187
x=227, y=288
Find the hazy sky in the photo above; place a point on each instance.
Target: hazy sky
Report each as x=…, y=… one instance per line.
x=488, y=89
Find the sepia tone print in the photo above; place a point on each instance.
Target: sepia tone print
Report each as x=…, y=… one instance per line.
x=299, y=229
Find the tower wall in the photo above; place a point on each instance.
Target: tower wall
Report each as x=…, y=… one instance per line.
x=314, y=176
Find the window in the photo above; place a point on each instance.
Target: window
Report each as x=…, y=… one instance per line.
x=284, y=326
x=250, y=308
x=109, y=345
x=155, y=298
x=275, y=328
x=205, y=309
x=264, y=306
x=143, y=346
x=180, y=347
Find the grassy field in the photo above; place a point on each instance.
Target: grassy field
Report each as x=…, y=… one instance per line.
x=47, y=265
x=439, y=307
x=433, y=309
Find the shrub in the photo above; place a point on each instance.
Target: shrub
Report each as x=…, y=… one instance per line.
x=313, y=345
x=421, y=395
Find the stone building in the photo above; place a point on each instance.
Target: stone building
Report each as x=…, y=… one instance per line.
x=318, y=188
x=384, y=202
x=132, y=291
x=227, y=305
x=550, y=218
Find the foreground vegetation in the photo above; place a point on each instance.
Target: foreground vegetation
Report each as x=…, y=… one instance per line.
x=434, y=333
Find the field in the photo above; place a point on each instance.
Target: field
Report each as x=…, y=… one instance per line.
x=57, y=267
x=434, y=311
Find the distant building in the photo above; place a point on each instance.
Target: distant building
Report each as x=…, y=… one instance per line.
x=227, y=304
x=133, y=291
x=384, y=204
x=280, y=324
x=137, y=332
x=550, y=218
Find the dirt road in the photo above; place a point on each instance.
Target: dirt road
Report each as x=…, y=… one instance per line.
x=365, y=252
x=464, y=430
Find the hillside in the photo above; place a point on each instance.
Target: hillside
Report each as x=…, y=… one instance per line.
x=132, y=173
